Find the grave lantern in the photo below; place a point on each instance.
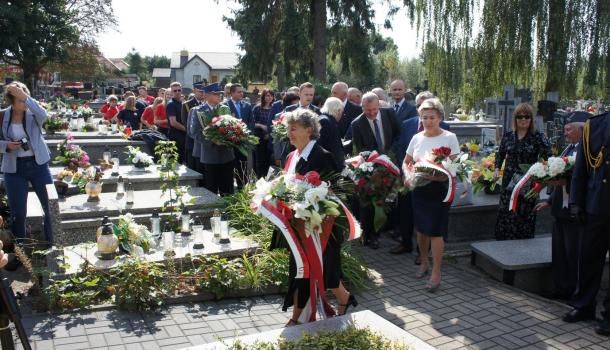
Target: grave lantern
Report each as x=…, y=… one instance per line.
x=120, y=186
x=130, y=193
x=185, y=218
x=115, y=163
x=107, y=154
x=155, y=224
x=107, y=243
x=224, y=231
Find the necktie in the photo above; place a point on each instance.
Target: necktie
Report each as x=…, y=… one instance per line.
x=396, y=107
x=421, y=127
x=378, y=135
x=238, y=109
x=568, y=150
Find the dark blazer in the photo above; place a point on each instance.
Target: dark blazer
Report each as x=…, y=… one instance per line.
x=363, y=137
x=556, y=193
x=277, y=107
x=406, y=111
x=408, y=129
x=245, y=113
x=319, y=160
x=331, y=141
x=590, y=189
x=350, y=112
x=297, y=105
x=186, y=110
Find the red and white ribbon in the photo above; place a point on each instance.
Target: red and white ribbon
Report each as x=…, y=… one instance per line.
x=451, y=190
x=514, y=196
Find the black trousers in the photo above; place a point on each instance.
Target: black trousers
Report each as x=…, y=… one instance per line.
x=367, y=220
x=219, y=177
x=565, y=238
x=178, y=137
x=405, y=219
x=591, y=260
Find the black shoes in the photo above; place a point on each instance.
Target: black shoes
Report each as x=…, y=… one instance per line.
x=577, y=315
x=351, y=301
x=13, y=263
x=603, y=328
x=401, y=249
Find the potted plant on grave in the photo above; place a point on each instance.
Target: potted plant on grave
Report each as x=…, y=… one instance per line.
x=54, y=123
x=71, y=155
x=138, y=159
x=86, y=112
x=93, y=187
x=483, y=176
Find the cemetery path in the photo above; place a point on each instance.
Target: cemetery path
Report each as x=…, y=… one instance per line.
x=470, y=311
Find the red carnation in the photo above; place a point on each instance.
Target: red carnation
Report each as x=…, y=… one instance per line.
x=441, y=151
x=361, y=183
x=221, y=130
x=313, y=178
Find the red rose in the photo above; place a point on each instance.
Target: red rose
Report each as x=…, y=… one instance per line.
x=361, y=183
x=313, y=178
x=221, y=130
x=441, y=151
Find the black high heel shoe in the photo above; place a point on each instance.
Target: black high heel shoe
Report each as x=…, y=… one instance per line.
x=350, y=301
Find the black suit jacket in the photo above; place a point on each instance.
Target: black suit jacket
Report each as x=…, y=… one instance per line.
x=331, y=141
x=363, y=137
x=311, y=107
x=350, y=112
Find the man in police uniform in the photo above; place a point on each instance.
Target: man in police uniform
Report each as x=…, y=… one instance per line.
x=590, y=203
x=566, y=230
x=198, y=99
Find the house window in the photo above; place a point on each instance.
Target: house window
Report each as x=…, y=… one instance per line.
x=196, y=78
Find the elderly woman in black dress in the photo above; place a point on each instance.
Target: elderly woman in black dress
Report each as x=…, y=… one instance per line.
x=303, y=132
x=523, y=145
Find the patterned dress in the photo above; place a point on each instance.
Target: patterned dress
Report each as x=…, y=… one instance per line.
x=528, y=150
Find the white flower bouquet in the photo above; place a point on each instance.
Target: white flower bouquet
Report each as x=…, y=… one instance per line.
x=138, y=158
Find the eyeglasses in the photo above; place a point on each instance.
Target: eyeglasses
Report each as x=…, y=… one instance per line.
x=523, y=116
x=180, y=90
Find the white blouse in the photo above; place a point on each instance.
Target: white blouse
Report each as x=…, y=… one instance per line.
x=421, y=145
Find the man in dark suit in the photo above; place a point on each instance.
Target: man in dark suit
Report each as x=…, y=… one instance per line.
x=189, y=143
x=589, y=198
x=240, y=110
x=403, y=109
x=306, y=94
x=408, y=129
x=374, y=130
x=350, y=110
x=566, y=230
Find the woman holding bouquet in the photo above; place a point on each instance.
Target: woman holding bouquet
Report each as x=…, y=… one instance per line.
x=430, y=213
x=303, y=131
x=523, y=145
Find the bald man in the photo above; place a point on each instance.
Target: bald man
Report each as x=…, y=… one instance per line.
x=403, y=109
x=350, y=110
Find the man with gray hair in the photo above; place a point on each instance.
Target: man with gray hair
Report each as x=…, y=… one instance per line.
x=350, y=110
x=374, y=130
x=354, y=96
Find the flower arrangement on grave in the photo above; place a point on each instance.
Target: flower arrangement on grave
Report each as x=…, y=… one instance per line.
x=88, y=127
x=279, y=129
x=137, y=158
x=541, y=174
x=71, y=155
x=85, y=111
x=304, y=209
x=438, y=162
x=377, y=182
x=482, y=176
x=471, y=147
x=133, y=238
x=55, y=123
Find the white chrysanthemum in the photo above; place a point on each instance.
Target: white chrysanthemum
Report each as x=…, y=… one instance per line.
x=556, y=166
x=316, y=194
x=538, y=170
x=572, y=159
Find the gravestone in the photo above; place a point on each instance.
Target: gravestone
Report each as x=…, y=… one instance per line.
x=80, y=219
x=148, y=180
x=360, y=320
x=79, y=135
x=507, y=106
x=95, y=147
x=492, y=109
x=523, y=263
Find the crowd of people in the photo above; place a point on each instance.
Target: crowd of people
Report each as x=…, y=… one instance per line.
x=322, y=133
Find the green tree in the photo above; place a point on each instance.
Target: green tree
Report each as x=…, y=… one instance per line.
x=137, y=64
x=156, y=61
x=81, y=64
x=36, y=32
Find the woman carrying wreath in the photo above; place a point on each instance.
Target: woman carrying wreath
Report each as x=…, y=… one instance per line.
x=303, y=132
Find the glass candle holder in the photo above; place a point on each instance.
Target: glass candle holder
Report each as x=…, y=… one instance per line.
x=198, y=237
x=168, y=241
x=215, y=223
x=224, y=232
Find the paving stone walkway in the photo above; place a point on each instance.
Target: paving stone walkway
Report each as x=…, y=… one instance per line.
x=470, y=311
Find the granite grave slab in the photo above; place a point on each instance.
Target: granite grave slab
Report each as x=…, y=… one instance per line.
x=361, y=320
x=523, y=263
x=95, y=147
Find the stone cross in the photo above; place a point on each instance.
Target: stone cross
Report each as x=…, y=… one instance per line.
x=507, y=106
